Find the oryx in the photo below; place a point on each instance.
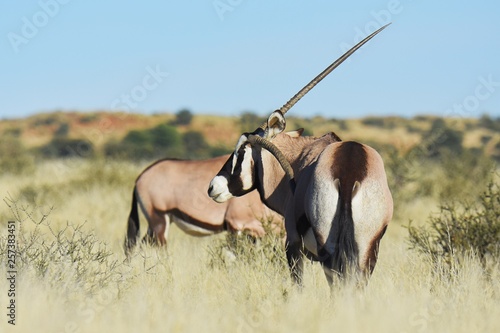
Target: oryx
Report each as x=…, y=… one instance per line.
x=336, y=207
x=175, y=191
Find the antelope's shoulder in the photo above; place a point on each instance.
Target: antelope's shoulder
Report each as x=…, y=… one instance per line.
x=313, y=149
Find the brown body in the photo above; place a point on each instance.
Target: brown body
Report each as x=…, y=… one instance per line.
x=175, y=191
x=341, y=204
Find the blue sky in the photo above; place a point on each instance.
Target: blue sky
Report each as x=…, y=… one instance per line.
x=230, y=56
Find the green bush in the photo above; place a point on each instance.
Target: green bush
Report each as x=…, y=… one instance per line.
x=487, y=122
x=61, y=147
x=195, y=145
x=165, y=137
x=183, y=117
x=160, y=141
x=136, y=137
x=461, y=228
x=89, y=118
x=63, y=130
x=442, y=139
x=46, y=120
x=373, y=121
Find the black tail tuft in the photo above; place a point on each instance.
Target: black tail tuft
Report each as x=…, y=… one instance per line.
x=345, y=256
x=350, y=167
x=133, y=225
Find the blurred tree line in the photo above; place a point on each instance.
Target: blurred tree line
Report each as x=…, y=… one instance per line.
x=441, y=145
x=161, y=141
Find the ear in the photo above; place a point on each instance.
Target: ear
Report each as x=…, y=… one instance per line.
x=275, y=124
x=296, y=133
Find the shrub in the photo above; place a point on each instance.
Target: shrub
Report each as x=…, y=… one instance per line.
x=412, y=129
x=89, y=118
x=160, y=141
x=63, y=130
x=485, y=139
x=65, y=254
x=125, y=150
x=341, y=123
x=138, y=138
x=195, y=144
x=183, y=117
x=373, y=121
x=63, y=147
x=46, y=120
x=461, y=228
x=441, y=138
x=487, y=122
x=164, y=137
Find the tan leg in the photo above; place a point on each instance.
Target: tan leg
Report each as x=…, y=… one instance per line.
x=159, y=224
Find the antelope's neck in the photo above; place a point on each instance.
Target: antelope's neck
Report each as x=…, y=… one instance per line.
x=275, y=188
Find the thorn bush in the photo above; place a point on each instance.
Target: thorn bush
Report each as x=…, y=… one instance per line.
x=461, y=228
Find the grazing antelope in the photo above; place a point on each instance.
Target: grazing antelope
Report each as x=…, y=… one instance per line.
x=175, y=191
x=333, y=194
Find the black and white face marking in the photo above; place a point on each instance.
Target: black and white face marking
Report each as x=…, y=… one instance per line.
x=237, y=176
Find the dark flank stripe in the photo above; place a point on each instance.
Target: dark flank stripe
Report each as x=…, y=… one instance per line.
x=207, y=226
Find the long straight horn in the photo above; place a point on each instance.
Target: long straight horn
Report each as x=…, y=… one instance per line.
x=288, y=105
x=327, y=71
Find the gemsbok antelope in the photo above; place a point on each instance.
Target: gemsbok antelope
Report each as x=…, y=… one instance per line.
x=333, y=194
x=175, y=191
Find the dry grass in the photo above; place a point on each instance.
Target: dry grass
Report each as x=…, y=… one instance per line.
x=177, y=290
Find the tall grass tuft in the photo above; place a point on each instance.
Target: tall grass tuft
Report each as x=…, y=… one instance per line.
x=246, y=249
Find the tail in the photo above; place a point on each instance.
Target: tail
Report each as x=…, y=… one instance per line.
x=350, y=168
x=345, y=257
x=133, y=224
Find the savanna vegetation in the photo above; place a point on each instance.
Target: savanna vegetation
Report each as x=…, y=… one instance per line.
x=66, y=181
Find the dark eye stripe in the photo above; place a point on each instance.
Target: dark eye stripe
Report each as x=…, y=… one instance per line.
x=236, y=183
x=239, y=162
